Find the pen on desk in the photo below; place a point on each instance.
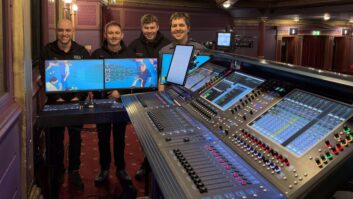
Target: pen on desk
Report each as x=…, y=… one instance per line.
x=176, y=102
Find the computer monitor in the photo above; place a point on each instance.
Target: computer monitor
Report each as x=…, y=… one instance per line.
x=201, y=76
x=180, y=64
x=167, y=58
x=130, y=73
x=225, y=41
x=73, y=75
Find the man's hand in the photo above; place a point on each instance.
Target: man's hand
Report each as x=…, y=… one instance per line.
x=90, y=95
x=75, y=99
x=60, y=100
x=161, y=87
x=114, y=94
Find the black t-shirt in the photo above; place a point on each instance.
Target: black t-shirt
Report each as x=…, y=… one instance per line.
x=52, y=52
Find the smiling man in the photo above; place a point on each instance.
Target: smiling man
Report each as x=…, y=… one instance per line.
x=180, y=28
x=64, y=48
x=149, y=43
x=113, y=48
x=151, y=39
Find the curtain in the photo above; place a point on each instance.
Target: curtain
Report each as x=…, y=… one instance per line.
x=313, y=51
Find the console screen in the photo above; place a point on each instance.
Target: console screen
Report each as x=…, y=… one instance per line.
x=300, y=120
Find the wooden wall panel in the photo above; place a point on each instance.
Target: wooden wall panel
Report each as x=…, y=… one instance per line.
x=51, y=15
x=10, y=154
x=88, y=15
x=116, y=15
x=131, y=18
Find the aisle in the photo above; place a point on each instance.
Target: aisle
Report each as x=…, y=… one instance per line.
x=90, y=167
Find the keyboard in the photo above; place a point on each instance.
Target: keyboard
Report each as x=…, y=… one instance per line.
x=61, y=107
x=111, y=103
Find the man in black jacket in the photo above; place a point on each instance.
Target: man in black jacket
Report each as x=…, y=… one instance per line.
x=64, y=49
x=148, y=45
x=113, y=47
x=151, y=40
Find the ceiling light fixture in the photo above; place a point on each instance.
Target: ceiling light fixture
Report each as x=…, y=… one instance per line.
x=351, y=20
x=67, y=1
x=296, y=19
x=327, y=17
x=226, y=4
x=74, y=7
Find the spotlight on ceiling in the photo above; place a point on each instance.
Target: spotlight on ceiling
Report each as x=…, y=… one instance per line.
x=226, y=4
x=327, y=17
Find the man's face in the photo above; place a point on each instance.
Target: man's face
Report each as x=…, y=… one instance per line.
x=114, y=35
x=64, y=32
x=150, y=30
x=179, y=29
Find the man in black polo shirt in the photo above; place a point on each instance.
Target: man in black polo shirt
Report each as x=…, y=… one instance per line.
x=113, y=47
x=63, y=48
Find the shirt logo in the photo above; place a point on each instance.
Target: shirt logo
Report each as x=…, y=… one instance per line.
x=77, y=57
x=139, y=54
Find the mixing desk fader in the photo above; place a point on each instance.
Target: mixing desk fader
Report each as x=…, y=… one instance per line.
x=203, y=165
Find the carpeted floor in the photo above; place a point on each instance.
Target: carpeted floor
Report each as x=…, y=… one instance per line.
x=90, y=167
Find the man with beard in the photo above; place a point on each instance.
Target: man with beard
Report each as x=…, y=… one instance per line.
x=179, y=28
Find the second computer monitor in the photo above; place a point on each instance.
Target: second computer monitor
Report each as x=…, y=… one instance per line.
x=130, y=73
x=179, y=65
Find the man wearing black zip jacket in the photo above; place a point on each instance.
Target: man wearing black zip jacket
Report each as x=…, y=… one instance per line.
x=151, y=40
x=148, y=45
x=113, y=47
x=64, y=49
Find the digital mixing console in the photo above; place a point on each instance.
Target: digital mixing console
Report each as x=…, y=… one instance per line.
x=235, y=135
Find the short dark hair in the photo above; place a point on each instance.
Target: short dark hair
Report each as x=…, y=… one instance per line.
x=149, y=18
x=180, y=15
x=111, y=23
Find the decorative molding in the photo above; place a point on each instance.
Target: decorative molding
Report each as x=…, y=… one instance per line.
x=160, y=3
x=8, y=118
